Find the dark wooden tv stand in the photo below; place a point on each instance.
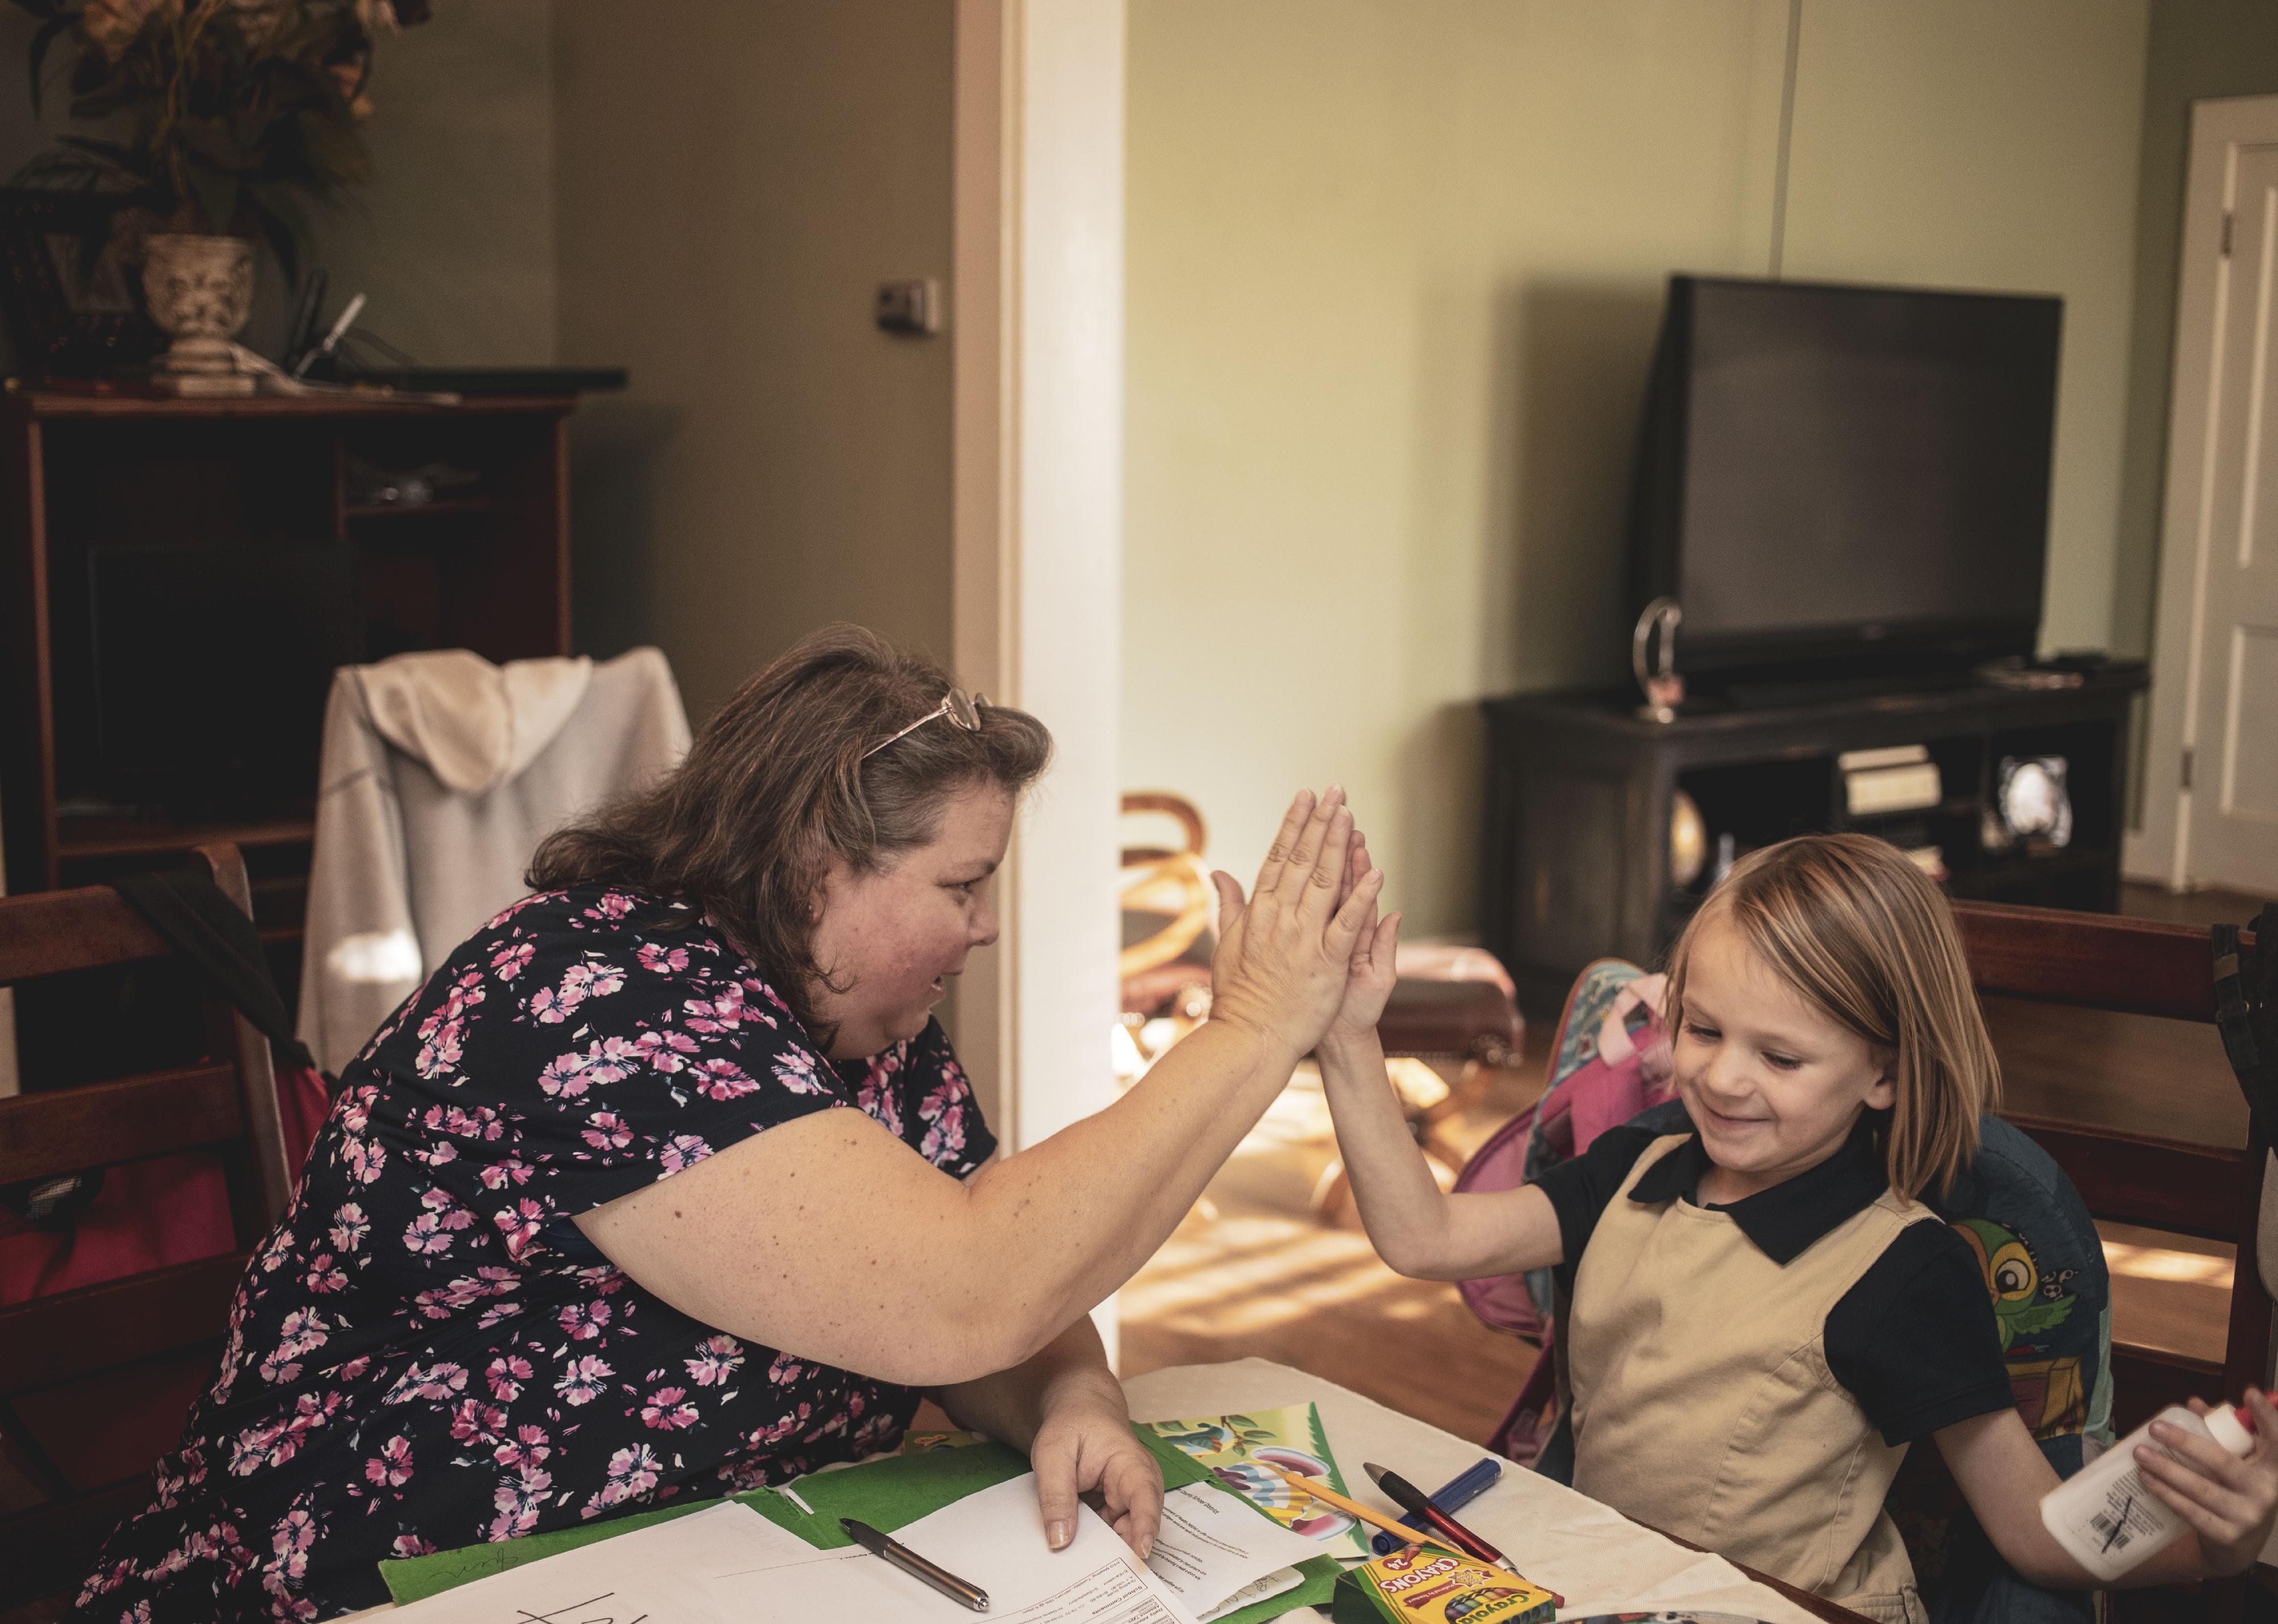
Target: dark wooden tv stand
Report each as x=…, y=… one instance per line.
x=1576, y=841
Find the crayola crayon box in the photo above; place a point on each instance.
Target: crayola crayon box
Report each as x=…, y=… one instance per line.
x=1423, y=1584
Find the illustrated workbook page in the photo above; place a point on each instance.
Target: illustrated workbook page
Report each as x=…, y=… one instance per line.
x=1248, y=1453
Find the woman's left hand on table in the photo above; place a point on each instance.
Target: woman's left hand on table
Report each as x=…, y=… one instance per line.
x=1086, y=1447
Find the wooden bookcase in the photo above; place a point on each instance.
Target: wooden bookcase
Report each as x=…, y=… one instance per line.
x=484, y=566
x=1575, y=857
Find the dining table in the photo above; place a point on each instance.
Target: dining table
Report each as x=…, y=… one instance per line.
x=1598, y=1561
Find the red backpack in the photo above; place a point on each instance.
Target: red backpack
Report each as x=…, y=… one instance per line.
x=110, y=1223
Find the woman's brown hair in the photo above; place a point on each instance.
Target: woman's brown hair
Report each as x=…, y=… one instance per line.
x=776, y=784
x=1863, y=934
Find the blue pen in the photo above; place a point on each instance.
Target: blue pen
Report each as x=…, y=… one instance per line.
x=1461, y=1492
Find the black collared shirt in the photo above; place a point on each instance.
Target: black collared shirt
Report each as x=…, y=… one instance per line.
x=1914, y=1341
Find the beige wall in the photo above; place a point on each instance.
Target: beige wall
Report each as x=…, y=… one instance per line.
x=1394, y=275
x=733, y=187
x=453, y=240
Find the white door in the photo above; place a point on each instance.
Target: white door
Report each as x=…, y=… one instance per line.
x=2217, y=653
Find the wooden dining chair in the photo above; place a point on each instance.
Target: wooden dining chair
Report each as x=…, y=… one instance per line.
x=2213, y=1191
x=94, y=1382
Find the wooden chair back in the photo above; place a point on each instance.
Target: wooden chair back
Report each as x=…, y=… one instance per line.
x=1166, y=894
x=88, y=1378
x=2138, y=967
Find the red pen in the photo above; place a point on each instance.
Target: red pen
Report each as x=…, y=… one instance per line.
x=1416, y=1502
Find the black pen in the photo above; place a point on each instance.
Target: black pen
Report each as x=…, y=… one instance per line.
x=911, y=1563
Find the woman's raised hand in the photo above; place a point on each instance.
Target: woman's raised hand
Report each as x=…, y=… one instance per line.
x=1284, y=957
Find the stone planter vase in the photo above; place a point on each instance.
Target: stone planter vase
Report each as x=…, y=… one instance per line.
x=200, y=292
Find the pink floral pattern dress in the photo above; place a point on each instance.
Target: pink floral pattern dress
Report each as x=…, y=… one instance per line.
x=427, y=1353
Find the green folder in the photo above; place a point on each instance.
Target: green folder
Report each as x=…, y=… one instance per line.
x=888, y=1494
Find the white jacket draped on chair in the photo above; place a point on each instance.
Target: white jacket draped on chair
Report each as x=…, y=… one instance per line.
x=441, y=772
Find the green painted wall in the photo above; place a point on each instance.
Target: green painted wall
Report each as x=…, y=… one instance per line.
x=1394, y=275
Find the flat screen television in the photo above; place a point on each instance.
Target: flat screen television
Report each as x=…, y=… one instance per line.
x=1841, y=478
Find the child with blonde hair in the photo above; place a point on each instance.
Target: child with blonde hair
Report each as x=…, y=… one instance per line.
x=1764, y=1313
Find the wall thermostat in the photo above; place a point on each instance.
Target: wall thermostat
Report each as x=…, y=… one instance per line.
x=910, y=307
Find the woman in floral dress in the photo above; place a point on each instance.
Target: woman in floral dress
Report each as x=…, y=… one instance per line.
x=666, y=1184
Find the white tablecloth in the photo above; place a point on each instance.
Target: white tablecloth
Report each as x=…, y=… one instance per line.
x=1595, y=1558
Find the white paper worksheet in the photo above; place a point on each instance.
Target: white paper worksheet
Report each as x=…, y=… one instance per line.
x=994, y=1539
x=728, y=1563
x=1214, y=1544
x=1277, y=1583
x=655, y=1574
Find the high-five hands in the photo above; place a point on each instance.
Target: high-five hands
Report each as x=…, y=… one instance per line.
x=1285, y=956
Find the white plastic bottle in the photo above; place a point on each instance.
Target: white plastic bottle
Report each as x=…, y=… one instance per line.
x=2108, y=1517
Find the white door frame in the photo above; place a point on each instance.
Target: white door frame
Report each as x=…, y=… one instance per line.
x=2218, y=128
x=1037, y=322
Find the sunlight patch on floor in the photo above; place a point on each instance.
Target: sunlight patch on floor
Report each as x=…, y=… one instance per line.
x=2158, y=1263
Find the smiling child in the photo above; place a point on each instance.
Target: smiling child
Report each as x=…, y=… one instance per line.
x=1764, y=1315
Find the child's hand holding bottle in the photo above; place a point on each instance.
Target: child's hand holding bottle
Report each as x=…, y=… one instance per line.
x=2201, y=1470
x=2230, y=1501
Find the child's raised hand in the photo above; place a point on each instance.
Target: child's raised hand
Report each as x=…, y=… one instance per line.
x=2229, y=1502
x=1369, y=984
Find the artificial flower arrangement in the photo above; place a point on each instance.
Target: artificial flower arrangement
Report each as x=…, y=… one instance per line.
x=215, y=117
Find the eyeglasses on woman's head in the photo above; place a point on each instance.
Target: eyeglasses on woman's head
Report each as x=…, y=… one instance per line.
x=962, y=709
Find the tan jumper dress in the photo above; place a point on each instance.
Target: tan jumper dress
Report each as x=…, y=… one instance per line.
x=1703, y=1404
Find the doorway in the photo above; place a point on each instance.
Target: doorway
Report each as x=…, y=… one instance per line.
x=2212, y=789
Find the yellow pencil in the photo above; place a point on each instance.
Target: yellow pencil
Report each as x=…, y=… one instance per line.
x=1328, y=1496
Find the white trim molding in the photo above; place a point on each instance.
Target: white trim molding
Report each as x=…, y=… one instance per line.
x=985, y=435
x=1036, y=320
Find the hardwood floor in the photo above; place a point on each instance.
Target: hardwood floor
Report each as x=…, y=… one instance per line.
x=2211, y=906
x=1262, y=1276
